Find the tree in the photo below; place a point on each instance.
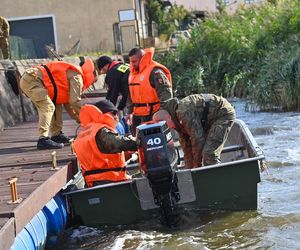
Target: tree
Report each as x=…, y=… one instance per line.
x=155, y=13
x=168, y=18
x=221, y=6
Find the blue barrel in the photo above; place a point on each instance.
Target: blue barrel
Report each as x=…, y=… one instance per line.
x=45, y=228
x=55, y=211
x=62, y=205
x=37, y=228
x=23, y=241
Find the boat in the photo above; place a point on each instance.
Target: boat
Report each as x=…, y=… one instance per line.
x=230, y=186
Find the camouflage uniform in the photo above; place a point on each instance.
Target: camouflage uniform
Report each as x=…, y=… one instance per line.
x=109, y=142
x=201, y=144
x=4, y=33
x=163, y=87
x=32, y=85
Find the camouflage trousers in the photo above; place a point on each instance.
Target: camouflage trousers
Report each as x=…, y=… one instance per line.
x=4, y=46
x=215, y=140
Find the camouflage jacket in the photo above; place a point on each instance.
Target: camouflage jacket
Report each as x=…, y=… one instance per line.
x=187, y=115
x=162, y=85
x=109, y=142
x=4, y=27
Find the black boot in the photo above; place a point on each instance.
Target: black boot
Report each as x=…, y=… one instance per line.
x=47, y=143
x=61, y=138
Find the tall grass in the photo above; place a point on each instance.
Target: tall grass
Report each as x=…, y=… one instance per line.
x=253, y=53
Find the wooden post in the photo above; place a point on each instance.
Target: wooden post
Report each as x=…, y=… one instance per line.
x=54, y=161
x=72, y=146
x=14, y=192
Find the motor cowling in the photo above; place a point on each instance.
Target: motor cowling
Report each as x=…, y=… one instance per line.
x=158, y=159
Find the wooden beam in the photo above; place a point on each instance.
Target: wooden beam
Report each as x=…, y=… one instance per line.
x=40, y=197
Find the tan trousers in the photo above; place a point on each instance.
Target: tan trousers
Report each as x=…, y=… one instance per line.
x=4, y=46
x=33, y=87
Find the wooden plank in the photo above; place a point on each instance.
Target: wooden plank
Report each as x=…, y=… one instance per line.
x=23, y=192
x=7, y=233
x=25, y=177
x=26, y=211
x=36, y=183
x=34, y=156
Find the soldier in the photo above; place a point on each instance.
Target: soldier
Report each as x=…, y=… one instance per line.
x=99, y=148
x=203, y=122
x=116, y=79
x=51, y=85
x=4, y=33
x=150, y=84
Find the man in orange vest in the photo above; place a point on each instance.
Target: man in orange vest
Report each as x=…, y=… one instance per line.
x=98, y=146
x=150, y=85
x=49, y=87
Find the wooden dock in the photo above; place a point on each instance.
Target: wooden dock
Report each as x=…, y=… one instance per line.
x=37, y=181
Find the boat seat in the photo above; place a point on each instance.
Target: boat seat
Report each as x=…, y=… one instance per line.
x=233, y=148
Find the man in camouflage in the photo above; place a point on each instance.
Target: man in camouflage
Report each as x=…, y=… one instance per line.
x=203, y=122
x=99, y=147
x=4, y=33
x=150, y=84
x=108, y=141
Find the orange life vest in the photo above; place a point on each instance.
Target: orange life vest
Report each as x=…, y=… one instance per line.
x=56, y=82
x=143, y=96
x=95, y=165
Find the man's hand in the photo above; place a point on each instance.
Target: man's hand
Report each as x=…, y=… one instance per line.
x=120, y=114
x=128, y=119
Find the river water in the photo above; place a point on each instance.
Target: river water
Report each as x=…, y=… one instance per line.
x=275, y=224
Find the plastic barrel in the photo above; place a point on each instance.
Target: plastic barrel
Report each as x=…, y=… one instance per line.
x=37, y=228
x=23, y=241
x=55, y=211
x=62, y=205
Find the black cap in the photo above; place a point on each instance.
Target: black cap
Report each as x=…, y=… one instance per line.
x=106, y=106
x=102, y=61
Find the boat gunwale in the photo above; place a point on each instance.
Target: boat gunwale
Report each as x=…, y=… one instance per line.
x=203, y=168
x=250, y=141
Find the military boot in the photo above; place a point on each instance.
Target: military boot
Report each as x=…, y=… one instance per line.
x=61, y=138
x=47, y=143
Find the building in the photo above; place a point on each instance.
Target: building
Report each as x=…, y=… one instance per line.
x=197, y=5
x=210, y=5
x=76, y=26
x=73, y=26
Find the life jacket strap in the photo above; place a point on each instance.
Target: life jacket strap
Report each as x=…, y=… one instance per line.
x=54, y=86
x=103, y=170
x=151, y=105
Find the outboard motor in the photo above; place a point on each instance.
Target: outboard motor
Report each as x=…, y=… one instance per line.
x=158, y=160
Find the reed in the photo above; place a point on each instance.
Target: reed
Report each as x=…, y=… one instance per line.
x=252, y=53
